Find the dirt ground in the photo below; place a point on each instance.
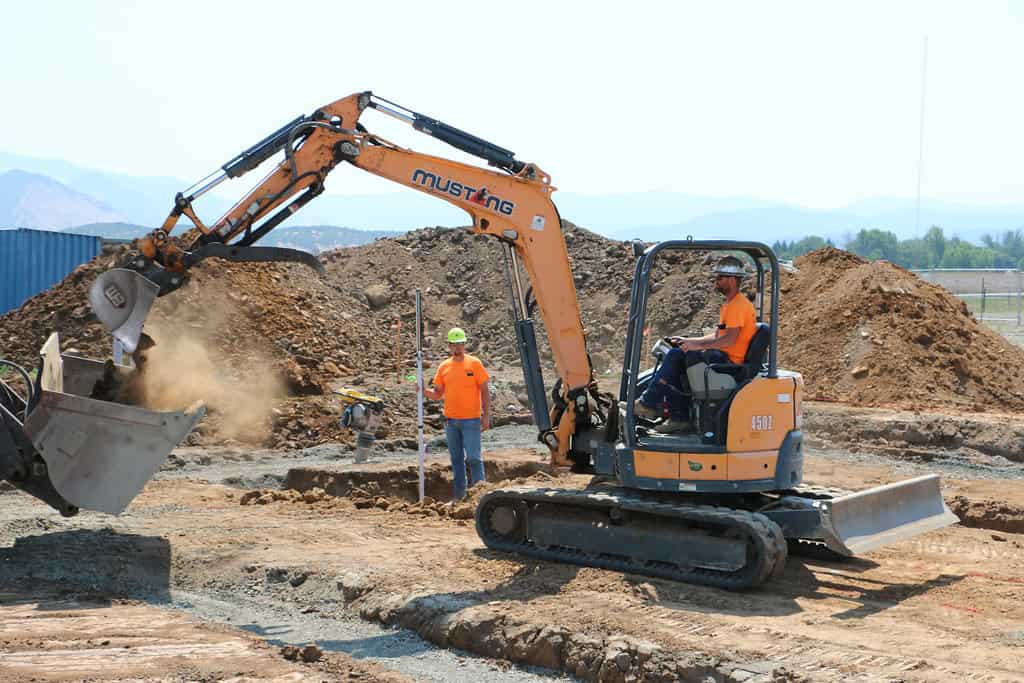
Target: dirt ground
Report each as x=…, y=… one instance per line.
x=945, y=606
x=263, y=506
x=50, y=633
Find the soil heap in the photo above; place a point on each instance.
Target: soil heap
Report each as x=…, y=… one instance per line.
x=871, y=333
x=236, y=333
x=265, y=344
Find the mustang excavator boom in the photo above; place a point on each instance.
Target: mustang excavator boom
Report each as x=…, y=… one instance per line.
x=512, y=203
x=718, y=505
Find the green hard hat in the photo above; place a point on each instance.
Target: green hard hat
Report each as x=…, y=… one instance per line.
x=456, y=335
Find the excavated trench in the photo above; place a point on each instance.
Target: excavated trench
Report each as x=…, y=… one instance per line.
x=401, y=483
x=476, y=626
x=988, y=514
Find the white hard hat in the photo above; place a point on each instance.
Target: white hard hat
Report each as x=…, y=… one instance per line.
x=732, y=266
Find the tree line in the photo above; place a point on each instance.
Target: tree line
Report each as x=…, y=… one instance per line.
x=933, y=250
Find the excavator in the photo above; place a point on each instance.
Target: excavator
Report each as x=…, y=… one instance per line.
x=719, y=505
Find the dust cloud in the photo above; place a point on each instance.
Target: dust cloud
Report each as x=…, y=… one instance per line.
x=186, y=365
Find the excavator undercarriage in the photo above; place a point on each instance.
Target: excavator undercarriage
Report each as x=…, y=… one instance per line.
x=622, y=530
x=726, y=541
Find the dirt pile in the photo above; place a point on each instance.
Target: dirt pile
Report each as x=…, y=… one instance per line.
x=988, y=514
x=872, y=333
x=63, y=308
x=265, y=344
x=361, y=499
x=396, y=490
x=402, y=482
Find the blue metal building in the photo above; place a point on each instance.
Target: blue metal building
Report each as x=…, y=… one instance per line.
x=32, y=261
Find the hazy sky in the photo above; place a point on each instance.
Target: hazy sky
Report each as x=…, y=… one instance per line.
x=815, y=103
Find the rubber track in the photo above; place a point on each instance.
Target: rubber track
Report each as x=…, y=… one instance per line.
x=769, y=543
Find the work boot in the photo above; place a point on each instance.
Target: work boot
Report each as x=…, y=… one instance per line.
x=642, y=410
x=673, y=425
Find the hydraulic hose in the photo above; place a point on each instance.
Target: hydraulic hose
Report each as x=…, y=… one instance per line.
x=290, y=152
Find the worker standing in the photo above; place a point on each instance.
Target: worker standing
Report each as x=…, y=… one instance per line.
x=462, y=380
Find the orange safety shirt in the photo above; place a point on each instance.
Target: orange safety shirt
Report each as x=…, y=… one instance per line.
x=461, y=381
x=738, y=312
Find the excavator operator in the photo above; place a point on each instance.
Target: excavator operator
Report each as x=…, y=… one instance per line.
x=728, y=344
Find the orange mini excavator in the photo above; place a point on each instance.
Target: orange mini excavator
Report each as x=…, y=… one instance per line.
x=719, y=504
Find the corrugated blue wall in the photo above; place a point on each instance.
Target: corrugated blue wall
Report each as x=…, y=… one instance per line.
x=34, y=260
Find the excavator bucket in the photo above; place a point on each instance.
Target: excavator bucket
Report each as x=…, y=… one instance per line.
x=863, y=521
x=98, y=455
x=121, y=299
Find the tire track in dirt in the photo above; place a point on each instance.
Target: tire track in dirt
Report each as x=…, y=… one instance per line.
x=815, y=657
x=820, y=621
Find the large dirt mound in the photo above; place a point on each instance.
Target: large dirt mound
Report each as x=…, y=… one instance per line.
x=265, y=344
x=872, y=333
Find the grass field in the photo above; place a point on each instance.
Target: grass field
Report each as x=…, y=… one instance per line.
x=1002, y=314
x=1004, y=306
x=996, y=306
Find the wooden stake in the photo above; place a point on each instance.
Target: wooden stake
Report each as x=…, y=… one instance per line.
x=398, y=349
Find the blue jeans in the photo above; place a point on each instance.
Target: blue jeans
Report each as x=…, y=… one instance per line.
x=464, y=444
x=672, y=390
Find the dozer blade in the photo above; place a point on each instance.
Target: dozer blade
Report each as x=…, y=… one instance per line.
x=98, y=454
x=863, y=521
x=121, y=299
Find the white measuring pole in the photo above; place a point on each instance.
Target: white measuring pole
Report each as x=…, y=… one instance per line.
x=419, y=391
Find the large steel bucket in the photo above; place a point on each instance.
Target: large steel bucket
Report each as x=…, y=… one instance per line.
x=866, y=520
x=98, y=454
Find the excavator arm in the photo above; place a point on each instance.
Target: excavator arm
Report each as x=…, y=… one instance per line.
x=512, y=203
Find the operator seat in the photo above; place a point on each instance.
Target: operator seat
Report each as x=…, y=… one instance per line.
x=714, y=382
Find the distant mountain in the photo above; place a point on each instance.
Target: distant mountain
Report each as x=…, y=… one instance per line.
x=143, y=199
x=648, y=215
x=760, y=225
x=966, y=221
x=312, y=238
x=622, y=213
x=317, y=238
x=28, y=200
x=57, y=169
x=116, y=231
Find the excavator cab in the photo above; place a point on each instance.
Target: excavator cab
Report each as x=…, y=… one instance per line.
x=746, y=420
x=707, y=389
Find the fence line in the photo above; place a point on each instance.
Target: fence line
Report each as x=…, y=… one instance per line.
x=992, y=294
